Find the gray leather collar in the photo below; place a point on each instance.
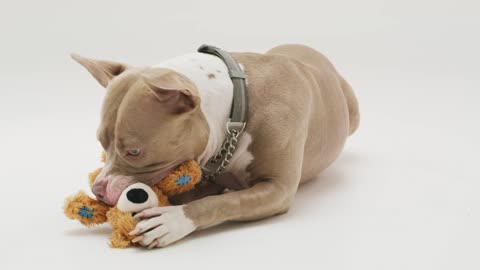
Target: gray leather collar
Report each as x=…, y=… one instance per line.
x=239, y=110
x=238, y=114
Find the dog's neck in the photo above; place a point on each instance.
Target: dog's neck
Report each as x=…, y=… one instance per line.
x=215, y=88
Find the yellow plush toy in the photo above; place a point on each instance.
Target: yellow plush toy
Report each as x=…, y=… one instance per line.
x=89, y=211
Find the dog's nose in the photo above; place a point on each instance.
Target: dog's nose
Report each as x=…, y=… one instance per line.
x=99, y=189
x=137, y=195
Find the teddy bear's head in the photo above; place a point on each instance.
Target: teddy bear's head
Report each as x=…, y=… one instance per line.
x=134, y=198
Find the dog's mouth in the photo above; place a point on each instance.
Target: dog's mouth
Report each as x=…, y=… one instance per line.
x=118, y=183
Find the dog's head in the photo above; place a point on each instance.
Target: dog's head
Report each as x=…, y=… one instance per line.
x=151, y=122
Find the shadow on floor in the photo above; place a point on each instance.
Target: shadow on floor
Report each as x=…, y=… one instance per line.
x=329, y=180
x=84, y=231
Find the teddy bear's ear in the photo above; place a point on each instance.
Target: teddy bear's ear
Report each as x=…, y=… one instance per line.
x=92, y=176
x=86, y=210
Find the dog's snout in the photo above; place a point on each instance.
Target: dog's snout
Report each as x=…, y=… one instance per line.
x=99, y=194
x=137, y=195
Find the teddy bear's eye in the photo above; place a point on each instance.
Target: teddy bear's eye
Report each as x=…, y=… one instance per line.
x=134, y=152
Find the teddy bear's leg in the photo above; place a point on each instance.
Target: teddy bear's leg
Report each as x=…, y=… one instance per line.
x=118, y=240
x=122, y=223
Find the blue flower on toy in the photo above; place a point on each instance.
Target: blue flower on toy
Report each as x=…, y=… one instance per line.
x=183, y=180
x=86, y=212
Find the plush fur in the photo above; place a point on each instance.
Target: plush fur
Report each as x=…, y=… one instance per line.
x=170, y=187
x=74, y=203
x=89, y=211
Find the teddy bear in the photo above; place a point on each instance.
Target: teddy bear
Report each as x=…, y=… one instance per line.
x=133, y=199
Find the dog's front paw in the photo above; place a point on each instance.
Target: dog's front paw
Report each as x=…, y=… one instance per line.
x=161, y=226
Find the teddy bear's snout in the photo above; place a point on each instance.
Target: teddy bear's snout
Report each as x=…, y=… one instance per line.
x=137, y=195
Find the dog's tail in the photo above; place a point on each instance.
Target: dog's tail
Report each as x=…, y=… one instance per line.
x=352, y=103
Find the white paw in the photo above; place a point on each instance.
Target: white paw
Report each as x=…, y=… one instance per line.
x=161, y=226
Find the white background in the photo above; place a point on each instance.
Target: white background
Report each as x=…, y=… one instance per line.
x=405, y=194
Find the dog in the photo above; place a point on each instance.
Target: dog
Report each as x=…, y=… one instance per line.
x=300, y=113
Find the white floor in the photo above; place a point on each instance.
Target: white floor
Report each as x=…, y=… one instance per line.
x=403, y=195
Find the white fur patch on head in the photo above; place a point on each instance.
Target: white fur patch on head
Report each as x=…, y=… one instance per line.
x=215, y=94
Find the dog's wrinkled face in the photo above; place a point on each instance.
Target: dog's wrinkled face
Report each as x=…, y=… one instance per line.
x=151, y=122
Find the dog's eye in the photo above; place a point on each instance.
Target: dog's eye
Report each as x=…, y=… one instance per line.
x=134, y=152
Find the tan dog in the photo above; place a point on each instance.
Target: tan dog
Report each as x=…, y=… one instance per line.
x=154, y=118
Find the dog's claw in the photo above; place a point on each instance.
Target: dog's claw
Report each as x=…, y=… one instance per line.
x=138, y=239
x=138, y=215
x=135, y=231
x=153, y=244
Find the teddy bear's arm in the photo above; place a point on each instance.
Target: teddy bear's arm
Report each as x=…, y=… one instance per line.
x=86, y=210
x=182, y=179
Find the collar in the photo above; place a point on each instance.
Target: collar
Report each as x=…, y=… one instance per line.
x=238, y=114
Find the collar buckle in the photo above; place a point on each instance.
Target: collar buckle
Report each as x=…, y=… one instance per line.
x=235, y=128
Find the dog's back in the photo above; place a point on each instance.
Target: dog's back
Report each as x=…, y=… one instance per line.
x=297, y=99
x=315, y=59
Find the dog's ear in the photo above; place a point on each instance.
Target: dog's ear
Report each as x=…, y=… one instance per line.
x=174, y=90
x=102, y=71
